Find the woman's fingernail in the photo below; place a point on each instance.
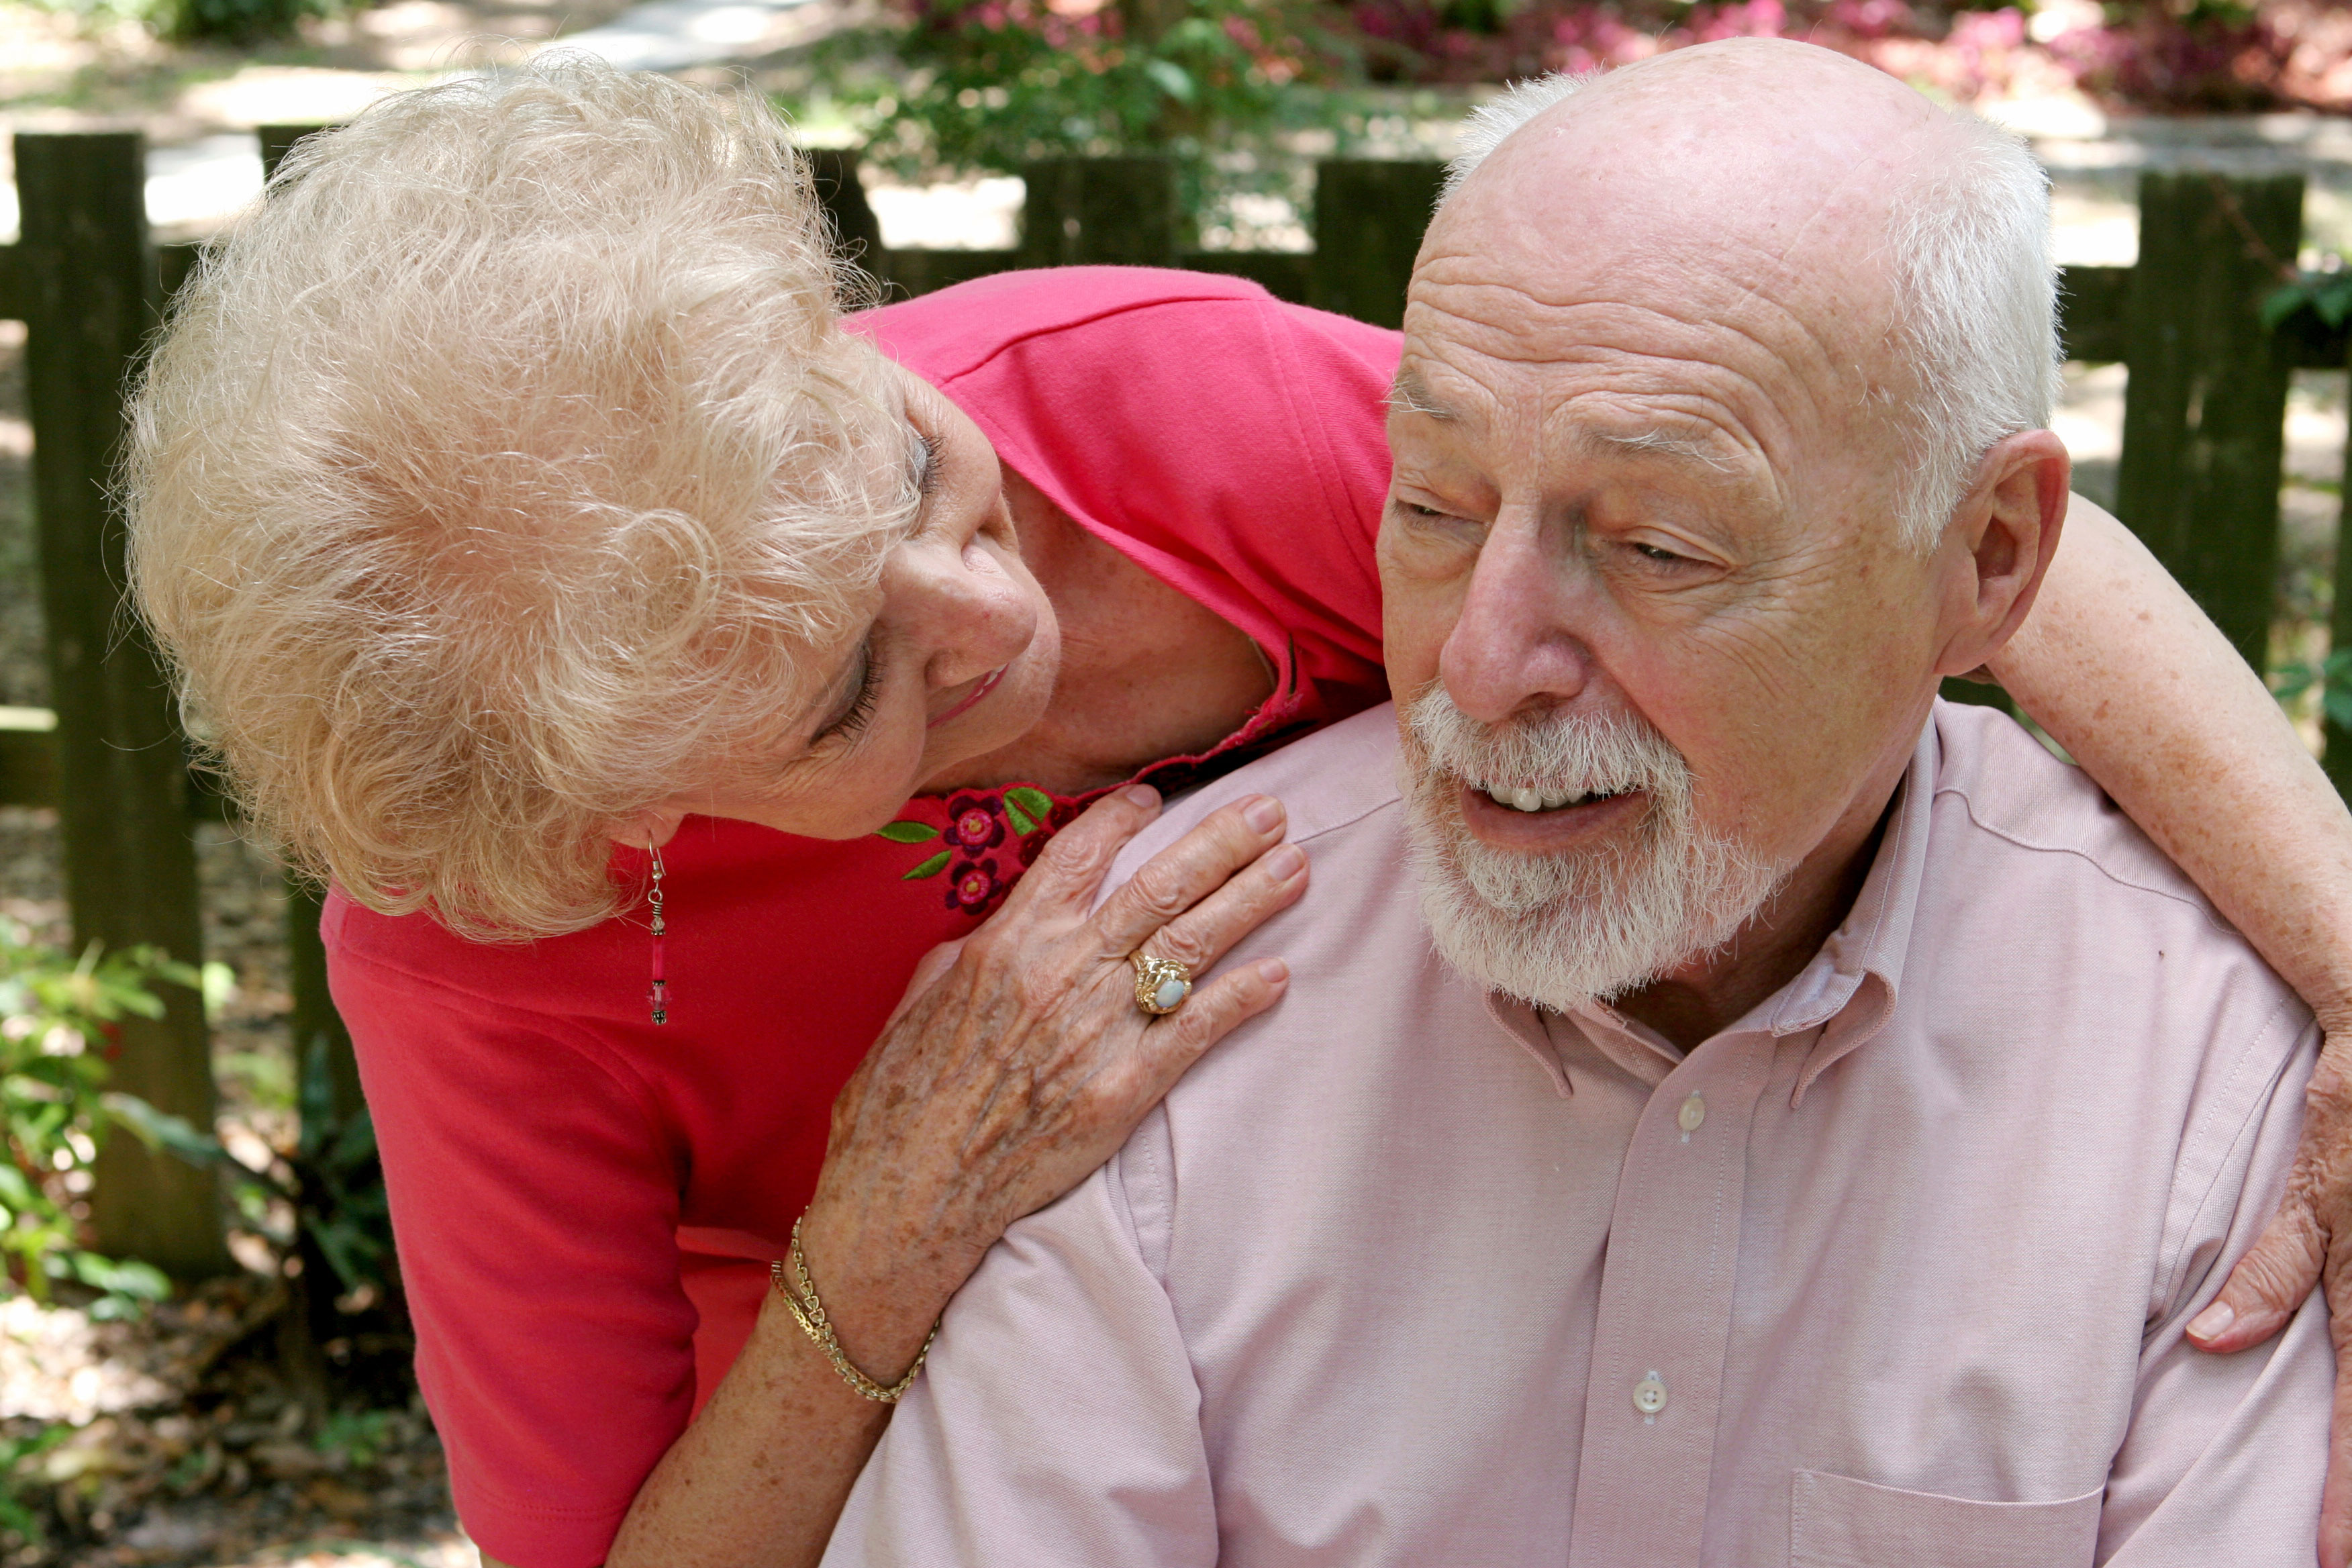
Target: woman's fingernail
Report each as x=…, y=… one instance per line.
x=1273, y=970
x=1264, y=814
x=1286, y=862
x=2213, y=1322
x=1143, y=795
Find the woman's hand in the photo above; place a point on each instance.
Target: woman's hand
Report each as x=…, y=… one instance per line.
x=2309, y=1238
x=1019, y=1062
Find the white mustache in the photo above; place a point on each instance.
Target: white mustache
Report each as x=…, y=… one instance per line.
x=1560, y=754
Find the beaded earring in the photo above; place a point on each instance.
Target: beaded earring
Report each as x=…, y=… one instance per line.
x=659, y=994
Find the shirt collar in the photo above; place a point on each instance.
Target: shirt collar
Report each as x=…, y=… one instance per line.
x=1847, y=992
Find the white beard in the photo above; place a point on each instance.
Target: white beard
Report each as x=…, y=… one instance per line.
x=1559, y=931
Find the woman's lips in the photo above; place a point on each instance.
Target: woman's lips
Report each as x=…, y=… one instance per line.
x=987, y=684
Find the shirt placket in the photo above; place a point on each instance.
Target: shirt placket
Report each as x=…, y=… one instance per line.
x=1655, y=1386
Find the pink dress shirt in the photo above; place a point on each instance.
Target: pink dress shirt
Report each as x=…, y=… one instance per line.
x=1891, y=1273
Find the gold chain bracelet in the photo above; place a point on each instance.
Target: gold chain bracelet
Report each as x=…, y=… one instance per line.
x=809, y=1313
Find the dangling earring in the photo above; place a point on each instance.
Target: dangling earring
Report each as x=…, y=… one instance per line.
x=659, y=994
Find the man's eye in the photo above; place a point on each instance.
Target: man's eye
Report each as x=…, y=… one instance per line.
x=1660, y=554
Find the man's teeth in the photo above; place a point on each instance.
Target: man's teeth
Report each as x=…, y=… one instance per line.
x=1538, y=799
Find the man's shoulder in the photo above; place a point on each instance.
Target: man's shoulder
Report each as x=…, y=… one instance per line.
x=1338, y=776
x=2015, y=795
x=2037, y=882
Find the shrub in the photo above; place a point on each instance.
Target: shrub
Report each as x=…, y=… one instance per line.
x=57, y=1019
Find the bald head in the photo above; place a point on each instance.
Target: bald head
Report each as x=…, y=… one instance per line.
x=1747, y=130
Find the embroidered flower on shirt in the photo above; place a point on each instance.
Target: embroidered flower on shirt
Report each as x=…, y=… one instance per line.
x=974, y=887
x=977, y=822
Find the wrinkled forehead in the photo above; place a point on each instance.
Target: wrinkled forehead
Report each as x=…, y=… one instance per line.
x=1742, y=257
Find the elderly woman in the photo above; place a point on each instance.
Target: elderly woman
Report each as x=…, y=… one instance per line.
x=676, y=677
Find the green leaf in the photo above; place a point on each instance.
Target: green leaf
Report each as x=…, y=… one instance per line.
x=907, y=832
x=349, y=1250
x=162, y=1130
x=128, y=1277
x=2337, y=705
x=1173, y=80
x=1035, y=802
x=931, y=868
x=2282, y=302
x=1013, y=815
x=218, y=982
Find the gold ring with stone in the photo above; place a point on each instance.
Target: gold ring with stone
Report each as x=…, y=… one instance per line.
x=1161, y=983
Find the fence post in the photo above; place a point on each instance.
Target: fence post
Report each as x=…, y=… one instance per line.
x=1369, y=219
x=130, y=862
x=2199, y=481
x=1086, y=211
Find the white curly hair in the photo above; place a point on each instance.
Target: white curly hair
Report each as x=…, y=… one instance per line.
x=495, y=477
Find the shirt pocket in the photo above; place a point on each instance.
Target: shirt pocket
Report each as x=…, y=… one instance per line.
x=1836, y=1523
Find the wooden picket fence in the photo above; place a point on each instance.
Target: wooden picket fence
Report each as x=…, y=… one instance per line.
x=2198, y=479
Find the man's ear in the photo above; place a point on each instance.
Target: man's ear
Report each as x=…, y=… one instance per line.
x=648, y=829
x=1999, y=544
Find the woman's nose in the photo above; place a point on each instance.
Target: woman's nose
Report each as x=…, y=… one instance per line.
x=977, y=618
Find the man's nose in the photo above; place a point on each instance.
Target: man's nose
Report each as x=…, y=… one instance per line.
x=1512, y=649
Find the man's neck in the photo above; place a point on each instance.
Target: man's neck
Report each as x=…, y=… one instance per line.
x=1698, y=1001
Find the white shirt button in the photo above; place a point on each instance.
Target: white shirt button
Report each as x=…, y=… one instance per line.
x=1650, y=1395
x=1693, y=1112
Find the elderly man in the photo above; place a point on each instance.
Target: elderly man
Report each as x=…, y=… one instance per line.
x=1823, y=1114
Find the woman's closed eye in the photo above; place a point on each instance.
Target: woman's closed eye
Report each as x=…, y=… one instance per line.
x=927, y=461
x=853, y=719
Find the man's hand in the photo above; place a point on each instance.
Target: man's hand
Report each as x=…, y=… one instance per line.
x=2309, y=1238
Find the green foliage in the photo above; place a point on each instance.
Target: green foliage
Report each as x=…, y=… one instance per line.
x=988, y=85
x=360, y=1436
x=236, y=23
x=2333, y=675
x=18, y=1477
x=330, y=1178
x=56, y=1016
x=2328, y=293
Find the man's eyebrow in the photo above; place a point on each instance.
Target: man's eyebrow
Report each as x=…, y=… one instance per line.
x=1681, y=446
x=1410, y=394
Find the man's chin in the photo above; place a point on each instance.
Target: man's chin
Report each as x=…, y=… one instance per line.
x=1606, y=923
x=1548, y=958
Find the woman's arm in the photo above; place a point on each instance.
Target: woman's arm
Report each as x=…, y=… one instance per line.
x=2125, y=672
x=1017, y=1063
